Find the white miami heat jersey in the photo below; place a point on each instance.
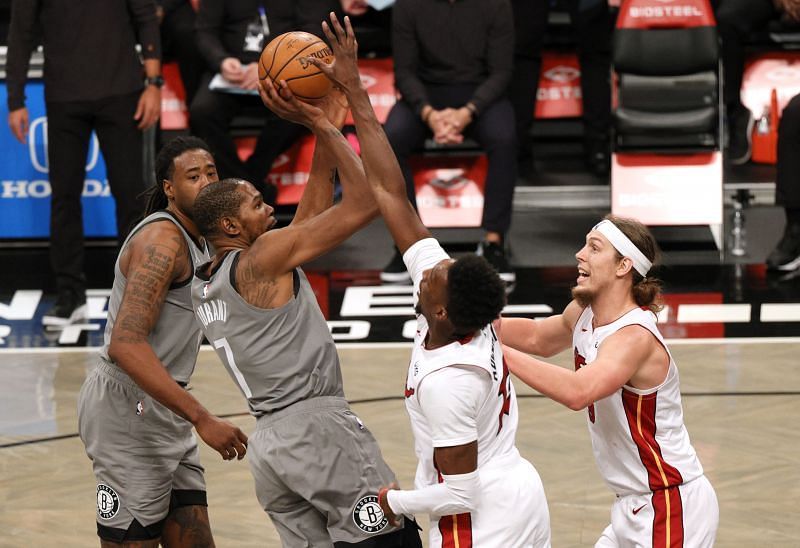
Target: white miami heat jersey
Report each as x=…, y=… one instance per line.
x=511, y=511
x=497, y=418
x=640, y=442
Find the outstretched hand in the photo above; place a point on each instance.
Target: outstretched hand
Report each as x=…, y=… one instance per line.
x=343, y=71
x=286, y=105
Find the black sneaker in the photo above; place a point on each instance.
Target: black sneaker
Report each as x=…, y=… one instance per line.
x=740, y=131
x=396, y=272
x=786, y=256
x=68, y=309
x=496, y=256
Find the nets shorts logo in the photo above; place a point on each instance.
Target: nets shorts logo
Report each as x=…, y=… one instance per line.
x=367, y=514
x=107, y=501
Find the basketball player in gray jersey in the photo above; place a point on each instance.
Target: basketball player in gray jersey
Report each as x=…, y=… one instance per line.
x=134, y=415
x=316, y=467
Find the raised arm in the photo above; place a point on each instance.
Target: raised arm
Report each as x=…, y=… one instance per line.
x=543, y=337
x=380, y=164
x=318, y=194
x=280, y=251
x=153, y=260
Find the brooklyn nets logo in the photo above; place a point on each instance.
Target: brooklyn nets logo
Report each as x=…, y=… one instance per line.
x=368, y=515
x=107, y=501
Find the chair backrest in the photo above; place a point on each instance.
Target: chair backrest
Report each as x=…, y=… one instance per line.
x=665, y=38
x=666, y=58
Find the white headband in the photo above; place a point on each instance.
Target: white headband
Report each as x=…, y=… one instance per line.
x=624, y=245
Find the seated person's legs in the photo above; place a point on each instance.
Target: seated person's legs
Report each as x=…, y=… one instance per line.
x=493, y=129
x=210, y=115
x=593, y=26
x=736, y=19
x=786, y=256
x=178, y=39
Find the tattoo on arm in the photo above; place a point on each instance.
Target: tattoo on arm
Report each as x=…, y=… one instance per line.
x=145, y=292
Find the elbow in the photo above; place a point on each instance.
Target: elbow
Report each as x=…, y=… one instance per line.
x=119, y=352
x=116, y=352
x=578, y=401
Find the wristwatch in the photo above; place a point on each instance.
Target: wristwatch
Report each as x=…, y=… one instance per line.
x=157, y=81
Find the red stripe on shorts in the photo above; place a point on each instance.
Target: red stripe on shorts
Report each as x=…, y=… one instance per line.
x=456, y=531
x=667, y=518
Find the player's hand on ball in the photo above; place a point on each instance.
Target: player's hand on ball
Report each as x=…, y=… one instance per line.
x=283, y=103
x=344, y=70
x=222, y=436
x=383, y=501
x=335, y=107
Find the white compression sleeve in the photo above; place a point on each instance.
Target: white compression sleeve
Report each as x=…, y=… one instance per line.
x=458, y=494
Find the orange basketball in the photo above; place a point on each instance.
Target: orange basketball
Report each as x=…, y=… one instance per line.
x=285, y=58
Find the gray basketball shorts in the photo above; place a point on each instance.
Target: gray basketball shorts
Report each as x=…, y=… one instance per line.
x=140, y=450
x=317, y=471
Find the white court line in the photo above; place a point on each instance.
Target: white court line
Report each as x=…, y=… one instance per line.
x=714, y=313
x=390, y=345
x=780, y=312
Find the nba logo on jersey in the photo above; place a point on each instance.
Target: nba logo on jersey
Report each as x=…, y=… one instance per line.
x=139, y=408
x=205, y=290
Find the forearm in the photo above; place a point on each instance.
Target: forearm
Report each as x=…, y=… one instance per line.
x=490, y=91
x=500, y=59
x=318, y=194
x=458, y=494
x=380, y=164
x=147, y=29
x=21, y=42
x=557, y=383
x=355, y=190
x=520, y=334
x=142, y=365
x=152, y=67
x=208, y=31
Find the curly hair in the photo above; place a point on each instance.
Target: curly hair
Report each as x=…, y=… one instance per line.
x=217, y=200
x=165, y=168
x=646, y=289
x=475, y=294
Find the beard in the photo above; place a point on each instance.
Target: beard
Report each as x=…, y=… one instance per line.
x=418, y=308
x=582, y=296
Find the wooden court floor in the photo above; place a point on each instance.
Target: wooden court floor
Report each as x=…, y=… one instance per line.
x=741, y=404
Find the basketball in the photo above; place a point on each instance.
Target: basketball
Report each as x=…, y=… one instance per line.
x=285, y=58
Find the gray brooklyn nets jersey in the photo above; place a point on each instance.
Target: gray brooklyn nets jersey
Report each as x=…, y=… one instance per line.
x=277, y=356
x=176, y=337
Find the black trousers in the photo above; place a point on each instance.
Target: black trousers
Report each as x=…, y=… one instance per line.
x=736, y=19
x=492, y=129
x=69, y=129
x=210, y=117
x=787, y=182
x=178, y=43
x=593, y=25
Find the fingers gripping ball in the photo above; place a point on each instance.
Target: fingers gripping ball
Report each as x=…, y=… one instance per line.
x=286, y=58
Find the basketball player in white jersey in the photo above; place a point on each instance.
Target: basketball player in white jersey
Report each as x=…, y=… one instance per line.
x=470, y=479
x=627, y=380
